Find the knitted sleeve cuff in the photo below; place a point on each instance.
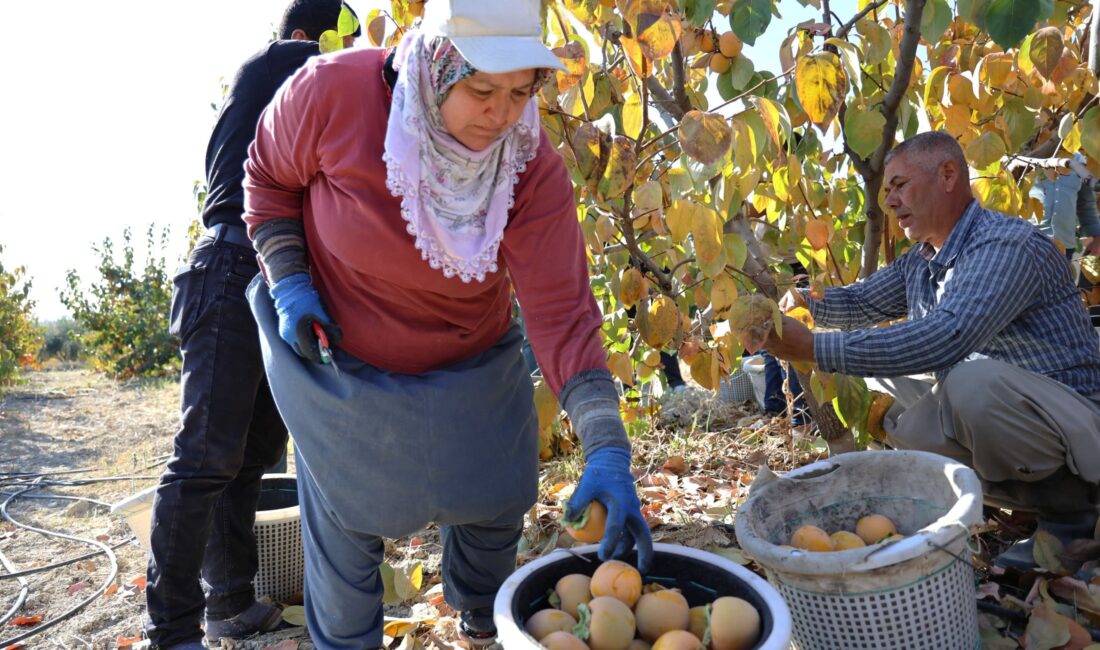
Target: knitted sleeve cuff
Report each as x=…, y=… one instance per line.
x=590, y=399
x=281, y=244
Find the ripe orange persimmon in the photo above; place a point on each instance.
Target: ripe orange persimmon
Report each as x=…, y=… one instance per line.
x=730, y=45
x=589, y=528
x=811, y=538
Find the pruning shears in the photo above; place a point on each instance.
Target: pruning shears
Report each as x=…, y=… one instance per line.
x=323, y=347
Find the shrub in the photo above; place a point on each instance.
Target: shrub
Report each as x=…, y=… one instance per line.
x=20, y=335
x=62, y=341
x=125, y=313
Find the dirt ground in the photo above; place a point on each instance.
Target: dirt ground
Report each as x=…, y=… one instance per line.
x=63, y=420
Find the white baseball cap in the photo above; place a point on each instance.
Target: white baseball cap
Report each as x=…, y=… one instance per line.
x=493, y=35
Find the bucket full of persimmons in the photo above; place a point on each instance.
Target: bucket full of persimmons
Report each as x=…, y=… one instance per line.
x=687, y=600
x=870, y=550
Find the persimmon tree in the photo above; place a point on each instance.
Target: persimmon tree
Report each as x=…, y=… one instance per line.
x=701, y=177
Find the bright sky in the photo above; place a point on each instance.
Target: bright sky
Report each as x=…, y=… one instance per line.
x=106, y=116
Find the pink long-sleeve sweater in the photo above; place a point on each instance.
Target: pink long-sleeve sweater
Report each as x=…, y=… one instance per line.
x=318, y=157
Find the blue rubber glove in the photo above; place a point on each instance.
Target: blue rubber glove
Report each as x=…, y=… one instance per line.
x=299, y=306
x=607, y=479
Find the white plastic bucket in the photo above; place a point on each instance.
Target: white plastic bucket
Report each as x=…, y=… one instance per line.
x=754, y=367
x=701, y=576
x=916, y=593
x=278, y=532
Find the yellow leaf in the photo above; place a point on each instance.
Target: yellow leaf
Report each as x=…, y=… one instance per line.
x=704, y=369
x=399, y=627
x=706, y=232
x=635, y=57
x=573, y=58
x=632, y=286
x=776, y=120
x=722, y=295
x=706, y=137
x=781, y=185
x=821, y=84
x=745, y=147
x=632, y=115
x=961, y=91
x=933, y=88
x=619, y=173
x=648, y=197
x=407, y=581
x=546, y=405
x=956, y=119
x=679, y=219
x=802, y=315
x=995, y=69
x=662, y=323
x=619, y=364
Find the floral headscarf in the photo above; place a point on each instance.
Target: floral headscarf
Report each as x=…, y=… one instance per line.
x=454, y=200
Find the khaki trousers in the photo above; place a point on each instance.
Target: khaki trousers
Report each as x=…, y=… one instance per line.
x=1033, y=441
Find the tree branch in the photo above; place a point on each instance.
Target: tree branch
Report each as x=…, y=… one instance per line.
x=872, y=169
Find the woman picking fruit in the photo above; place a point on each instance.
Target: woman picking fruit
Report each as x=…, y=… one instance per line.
x=395, y=199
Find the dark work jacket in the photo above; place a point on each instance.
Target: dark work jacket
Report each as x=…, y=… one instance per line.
x=252, y=89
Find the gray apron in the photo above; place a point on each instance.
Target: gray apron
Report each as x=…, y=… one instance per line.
x=391, y=452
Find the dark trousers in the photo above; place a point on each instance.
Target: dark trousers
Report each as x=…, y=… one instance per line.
x=205, y=505
x=775, y=401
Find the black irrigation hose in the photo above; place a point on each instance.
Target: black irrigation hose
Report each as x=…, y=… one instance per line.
x=65, y=497
x=79, y=606
x=61, y=563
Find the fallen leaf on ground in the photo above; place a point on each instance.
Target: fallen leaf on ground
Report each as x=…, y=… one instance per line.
x=285, y=644
x=27, y=621
x=139, y=582
x=77, y=587
x=295, y=615
x=127, y=641
x=111, y=590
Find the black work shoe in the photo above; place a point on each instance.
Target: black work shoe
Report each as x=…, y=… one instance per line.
x=1065, y=527
x=258, y=618
x=475, y=639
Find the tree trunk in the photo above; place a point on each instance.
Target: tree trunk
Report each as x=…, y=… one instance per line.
x=1094, y=38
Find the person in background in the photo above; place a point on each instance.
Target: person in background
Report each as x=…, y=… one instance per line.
x=230, y=429
x=1069, y=209
x=396, y=198
x=992, y=310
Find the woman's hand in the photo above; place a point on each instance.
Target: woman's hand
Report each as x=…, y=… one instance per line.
x=607, y=479
x=299, y=307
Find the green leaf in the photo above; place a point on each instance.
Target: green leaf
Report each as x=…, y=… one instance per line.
x=1019, y=123
x=726, y=89
x=985, y=150
x=749, y=19
x=330, y=41
x=973, y=11
x=849, y=56
x=736, y=250
x=741, y=71
x=1090, y=132
x=935, y=20
x=1046, y=50
x=1009, y=21
x=863, y=130
x=347, y=24
x=698, y=12
x=851, y=400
